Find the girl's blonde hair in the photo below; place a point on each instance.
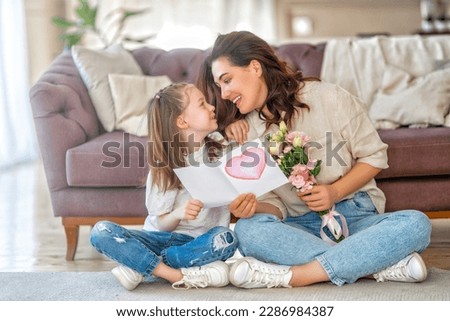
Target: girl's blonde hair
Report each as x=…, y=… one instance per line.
x=166, y=148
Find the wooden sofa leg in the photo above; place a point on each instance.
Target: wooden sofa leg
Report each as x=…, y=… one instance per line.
x=72, y=232
x=438, y=214
x=72, y=227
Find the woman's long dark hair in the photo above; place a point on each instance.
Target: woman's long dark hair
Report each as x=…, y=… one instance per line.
x=283, y=83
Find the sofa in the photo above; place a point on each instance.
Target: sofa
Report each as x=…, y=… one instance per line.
x=94, y=173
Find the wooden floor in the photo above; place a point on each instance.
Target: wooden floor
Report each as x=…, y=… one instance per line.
x=31, y=239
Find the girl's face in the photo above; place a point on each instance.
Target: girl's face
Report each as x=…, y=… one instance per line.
x=244, y=86
x=198, y=117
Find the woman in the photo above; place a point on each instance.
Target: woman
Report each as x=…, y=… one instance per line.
x=244, y=78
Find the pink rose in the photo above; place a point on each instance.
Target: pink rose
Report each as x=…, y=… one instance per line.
x=302, y=170
x=298, y=139
x=297, y=180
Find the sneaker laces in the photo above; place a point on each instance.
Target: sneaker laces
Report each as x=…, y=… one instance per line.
x=397, y=271
x=193, y=279
x=269, y=277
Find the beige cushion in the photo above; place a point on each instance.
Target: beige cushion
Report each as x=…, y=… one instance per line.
x=94, y=67
x=408, y=101
x=131, y=95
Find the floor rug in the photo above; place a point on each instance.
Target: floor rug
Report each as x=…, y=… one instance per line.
x=102, y=286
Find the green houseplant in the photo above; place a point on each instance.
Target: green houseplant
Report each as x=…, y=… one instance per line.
x=86, y=22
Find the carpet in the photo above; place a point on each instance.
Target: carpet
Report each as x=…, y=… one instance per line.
x=102, y=286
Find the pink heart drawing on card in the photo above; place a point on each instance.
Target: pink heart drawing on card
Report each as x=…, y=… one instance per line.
x=250, y=165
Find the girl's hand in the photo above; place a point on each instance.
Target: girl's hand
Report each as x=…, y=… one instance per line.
x=192, y=209
x=243, y=206
x=237, y=131
x=319, y=198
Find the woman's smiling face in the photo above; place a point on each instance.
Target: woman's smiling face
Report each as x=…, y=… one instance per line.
x=244, y=86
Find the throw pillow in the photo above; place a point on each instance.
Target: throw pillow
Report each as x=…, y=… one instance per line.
x=131, y=95
x=408, y=101
x=94, y=67
x=442, y=64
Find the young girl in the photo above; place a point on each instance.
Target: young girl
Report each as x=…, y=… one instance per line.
x=245, y=77
x=180, y=242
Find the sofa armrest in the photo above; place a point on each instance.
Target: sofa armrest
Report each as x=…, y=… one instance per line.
x=64, y=116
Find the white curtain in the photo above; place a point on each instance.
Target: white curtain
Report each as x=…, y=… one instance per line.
x=191, y=23
x=17, y=136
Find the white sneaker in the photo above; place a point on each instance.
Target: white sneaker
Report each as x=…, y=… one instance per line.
x=214, y=274
x=250, y=273
x=410, y=269
x=129, y=278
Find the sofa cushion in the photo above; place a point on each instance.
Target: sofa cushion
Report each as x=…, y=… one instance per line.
x=181, y=64
x=416, y=152
x=115, y=159
x=131, y=95
x=305, y=57
x=94, y=67
x=407, y=100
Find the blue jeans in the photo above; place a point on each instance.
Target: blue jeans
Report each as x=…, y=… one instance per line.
x=376, y=241
x=143, y=250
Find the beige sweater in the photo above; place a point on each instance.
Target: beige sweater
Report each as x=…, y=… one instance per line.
x=340, y=128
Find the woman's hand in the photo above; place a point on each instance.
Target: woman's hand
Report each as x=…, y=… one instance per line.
x=319, y=198
x=323, y=197
x=243, y=206
x=192, y=209
x=237, y=131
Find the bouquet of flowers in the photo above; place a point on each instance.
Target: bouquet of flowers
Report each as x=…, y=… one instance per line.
x=289, y=149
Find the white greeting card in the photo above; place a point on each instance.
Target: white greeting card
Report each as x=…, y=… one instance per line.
x=246, y=169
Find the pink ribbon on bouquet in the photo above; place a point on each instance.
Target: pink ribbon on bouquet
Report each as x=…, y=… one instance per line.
x=333, y=225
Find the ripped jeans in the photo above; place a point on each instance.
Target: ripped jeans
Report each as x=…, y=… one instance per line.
x=143, y=250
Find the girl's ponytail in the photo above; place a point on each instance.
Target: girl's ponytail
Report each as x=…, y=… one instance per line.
x=165, y=150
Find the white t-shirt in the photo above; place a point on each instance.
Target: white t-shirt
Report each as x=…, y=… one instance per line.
x=159, y=203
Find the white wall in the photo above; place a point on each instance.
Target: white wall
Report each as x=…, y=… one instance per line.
x=329, y=18
x=42, y=38
x=344, y=18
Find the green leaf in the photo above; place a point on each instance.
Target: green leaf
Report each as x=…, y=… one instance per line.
x=319, y=163
x=86, y=13
x=314, y=172
x=71, y=39
x=63, y=23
